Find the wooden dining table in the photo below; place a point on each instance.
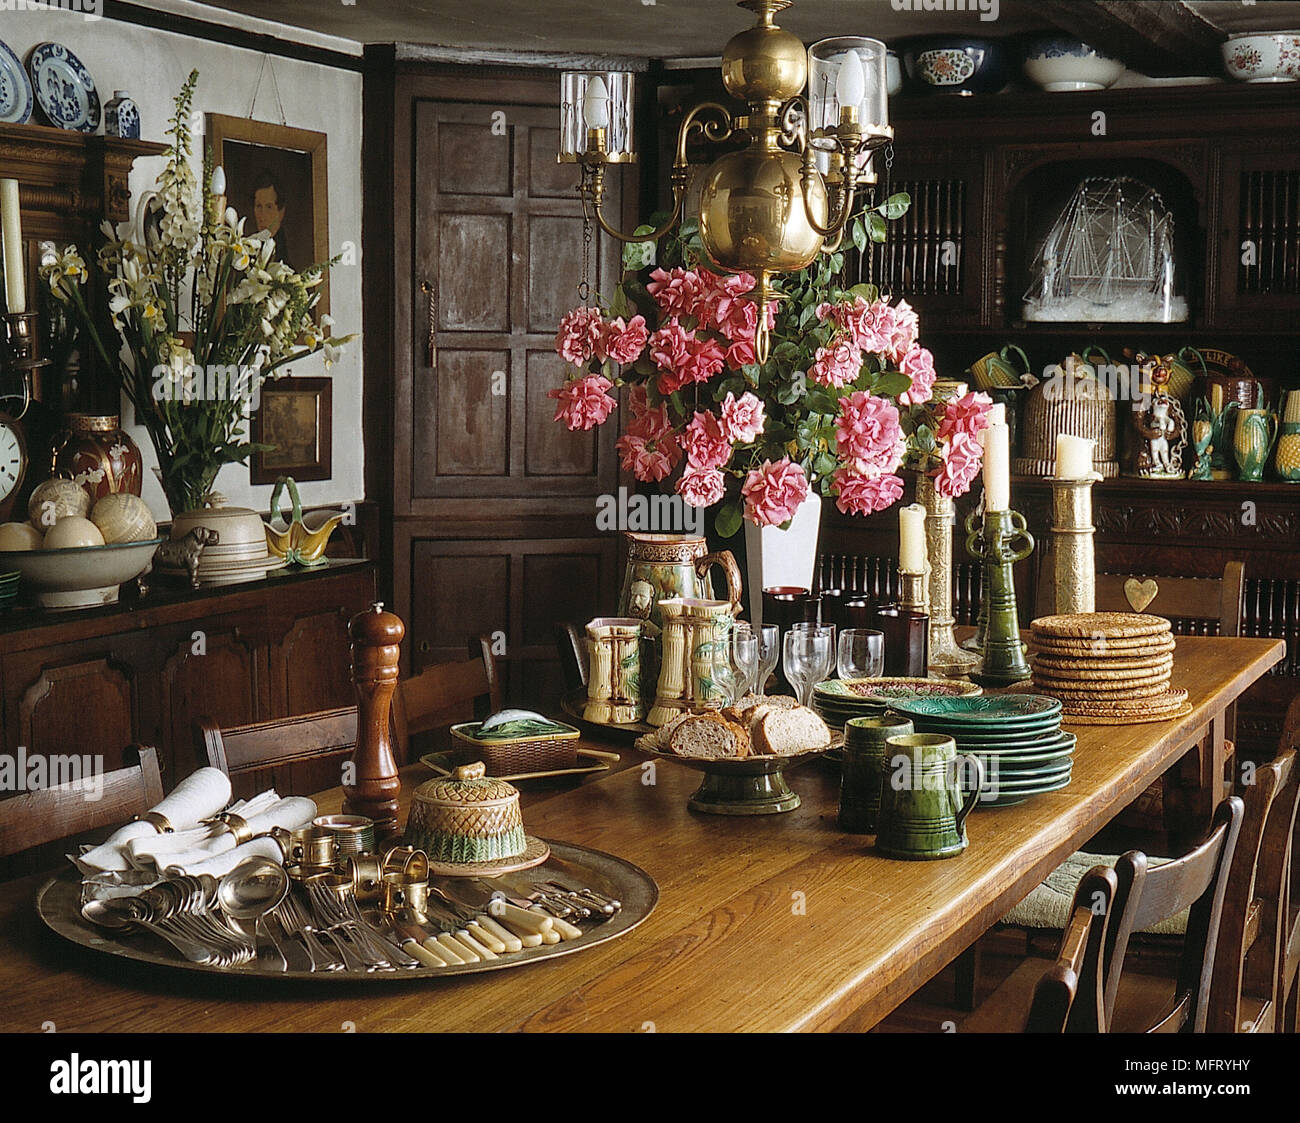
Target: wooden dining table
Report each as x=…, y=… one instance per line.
x=777, y=922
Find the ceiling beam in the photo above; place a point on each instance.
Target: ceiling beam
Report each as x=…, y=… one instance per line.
x=1151, y=36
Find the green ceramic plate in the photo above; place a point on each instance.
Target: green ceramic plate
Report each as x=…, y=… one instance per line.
x=987, y=710
x=1017, y=776
x=1025, y=760
x=1006, y=798
x=857, y=691
x=1006, y=741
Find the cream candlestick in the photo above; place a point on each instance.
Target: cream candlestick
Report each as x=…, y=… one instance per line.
x=1073, y=562
x=12, y=225
x=946, y=656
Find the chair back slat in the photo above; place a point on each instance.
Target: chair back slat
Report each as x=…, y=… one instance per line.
x=39, y=817
x=1071, y=995
x=1197, y=603
x=290, y=754
x=426, y=701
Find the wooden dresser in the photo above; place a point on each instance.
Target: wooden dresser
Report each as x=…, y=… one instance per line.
x=92, y=682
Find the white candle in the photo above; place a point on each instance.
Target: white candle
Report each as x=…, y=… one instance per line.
x=1073, y=457
x=998, y=414
x=997, y=468
x=911, y=538
x=11, y=224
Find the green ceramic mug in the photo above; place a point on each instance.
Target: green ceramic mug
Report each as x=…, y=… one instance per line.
x=862, y=769
x=922, y=809
x=996, y=369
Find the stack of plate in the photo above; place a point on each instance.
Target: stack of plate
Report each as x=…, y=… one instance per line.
x=1108, y=668
x=1018, y=738
x=837, y=700
x=8, y=588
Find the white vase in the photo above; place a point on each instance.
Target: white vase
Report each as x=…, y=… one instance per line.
x=776, y=558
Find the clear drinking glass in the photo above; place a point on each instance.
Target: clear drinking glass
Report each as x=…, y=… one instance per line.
x=861, y=653
x=808, y=656
x=769, y=654
x=744, y=661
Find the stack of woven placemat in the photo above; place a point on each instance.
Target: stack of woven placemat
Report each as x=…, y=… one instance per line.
x=1108, y=668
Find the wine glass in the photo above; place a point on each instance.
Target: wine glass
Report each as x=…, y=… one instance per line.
x=808, y=655
x=861, y=653
x=744, y=661
x=769, y=654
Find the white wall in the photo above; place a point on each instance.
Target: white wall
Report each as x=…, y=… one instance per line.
x=151, y=66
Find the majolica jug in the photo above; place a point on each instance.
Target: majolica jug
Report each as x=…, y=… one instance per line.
x=670, y=566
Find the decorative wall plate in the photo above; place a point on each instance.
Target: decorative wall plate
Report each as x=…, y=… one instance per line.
x=64, y=89
x=16, y=97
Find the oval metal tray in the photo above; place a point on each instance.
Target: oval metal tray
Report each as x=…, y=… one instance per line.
x=59, y=905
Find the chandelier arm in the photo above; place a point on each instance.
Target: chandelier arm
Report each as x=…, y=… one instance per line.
x=654, y=235
x=712, y=131
x=845, y=195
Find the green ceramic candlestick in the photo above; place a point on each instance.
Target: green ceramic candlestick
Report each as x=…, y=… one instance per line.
x=1003, y=540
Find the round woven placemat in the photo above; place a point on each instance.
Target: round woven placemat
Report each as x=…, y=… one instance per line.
x=1132, y=719
x=1090, y=624
x=1160, y=703
x=1103, y=647
x=1104, y=692
x=1059, y=666
x=1101, y=680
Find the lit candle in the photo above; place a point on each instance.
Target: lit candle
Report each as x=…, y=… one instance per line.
x=1073, y=457
x=595, y=104
x=997, y=468
x=12, y=226
x=850, y=85
x=911, y=538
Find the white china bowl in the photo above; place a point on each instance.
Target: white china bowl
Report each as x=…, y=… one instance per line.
x=1061, y=64
x=84, y=577
x=1263, y=58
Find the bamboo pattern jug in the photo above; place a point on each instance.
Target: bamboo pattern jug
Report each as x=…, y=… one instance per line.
x=695, y=670
x=614, y=673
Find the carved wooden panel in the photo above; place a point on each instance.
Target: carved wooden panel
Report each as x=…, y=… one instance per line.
x=458, y=590
x=551, y=449
x=219, y=676
x=473, y=272
x=314, y=664
x=81, y=707
x=466, y=167
x=473, y=414
x=546, y=175
x=559, y=588
x=555, y=244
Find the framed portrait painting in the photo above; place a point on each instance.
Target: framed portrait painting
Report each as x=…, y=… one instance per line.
x=276, y=180
x=296, y=416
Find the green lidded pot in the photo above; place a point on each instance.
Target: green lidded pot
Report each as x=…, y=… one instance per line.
x=862, y=769
x=466, y=817
x=922, y=809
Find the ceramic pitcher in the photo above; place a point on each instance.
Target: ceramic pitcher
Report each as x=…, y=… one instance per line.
x=1253, y=441
x=670, y=566
x=1287, y=458
x=695, y=668
x=996, y=369
x=922, y=808
x=614, y=675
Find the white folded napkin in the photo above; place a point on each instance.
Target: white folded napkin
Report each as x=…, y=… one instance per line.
x=221, y=864
x=199, y=796
x=296, y=811
x=152, y=850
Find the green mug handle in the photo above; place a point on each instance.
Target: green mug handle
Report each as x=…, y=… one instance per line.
x=1087, y=351
x=1023, y=357
x=968, y=805
x=1205, y=371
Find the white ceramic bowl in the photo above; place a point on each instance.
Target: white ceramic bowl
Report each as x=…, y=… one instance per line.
x=1263, y=58
x=86, y=577
x=1060, y=63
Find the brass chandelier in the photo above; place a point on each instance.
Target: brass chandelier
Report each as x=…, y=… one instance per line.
x=773, y=206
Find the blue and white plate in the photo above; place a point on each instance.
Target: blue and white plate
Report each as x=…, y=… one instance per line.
x=15, y=90
x=65, y=91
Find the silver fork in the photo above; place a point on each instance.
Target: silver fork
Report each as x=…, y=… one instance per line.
x=333, y=922
x=295, y=923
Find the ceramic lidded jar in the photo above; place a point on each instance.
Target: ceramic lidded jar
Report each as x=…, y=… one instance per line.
x=96, y=452
x=466, y=818
x=1074, y=402
x=122, y=117
x=1287, y=458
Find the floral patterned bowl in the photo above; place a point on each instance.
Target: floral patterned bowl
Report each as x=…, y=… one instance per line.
x=1263, y=58
x=1059, y=63
x=957, y=65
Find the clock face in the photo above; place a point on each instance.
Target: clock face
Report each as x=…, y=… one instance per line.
x=11, y=459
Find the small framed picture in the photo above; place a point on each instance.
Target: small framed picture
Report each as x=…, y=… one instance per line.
x=296, y=416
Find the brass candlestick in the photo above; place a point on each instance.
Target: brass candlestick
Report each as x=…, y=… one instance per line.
x=1074, y=565
x=913, y=591
x=1003, y=540
x=376, y=653
x=946, y=656
x=22, y=331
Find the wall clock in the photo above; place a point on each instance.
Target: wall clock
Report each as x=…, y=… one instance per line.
x=13, y=463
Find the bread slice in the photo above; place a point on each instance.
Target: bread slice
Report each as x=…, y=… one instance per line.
x=789, y=732
x=709, y=737
x=665, y=731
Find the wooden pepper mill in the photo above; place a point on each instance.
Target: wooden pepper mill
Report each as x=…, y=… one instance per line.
x=376, y=652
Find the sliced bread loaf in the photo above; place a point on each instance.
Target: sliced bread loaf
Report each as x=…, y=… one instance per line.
x=789, y=732
x=709, y=737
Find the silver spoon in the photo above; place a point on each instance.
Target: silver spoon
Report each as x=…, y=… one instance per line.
x=249, y=891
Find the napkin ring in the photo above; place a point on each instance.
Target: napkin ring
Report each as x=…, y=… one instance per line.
x=236, y=825
x=282, y=838
x=158, y=821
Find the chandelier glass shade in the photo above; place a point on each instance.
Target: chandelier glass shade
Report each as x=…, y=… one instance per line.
x=774, y=205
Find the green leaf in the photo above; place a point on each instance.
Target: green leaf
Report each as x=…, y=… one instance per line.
x=620, y=306
x=869, y=293
x=896, y=205
x=879, y=230
x=892, y=384
x=860, y=235
x=728, y=518
x=824, y=464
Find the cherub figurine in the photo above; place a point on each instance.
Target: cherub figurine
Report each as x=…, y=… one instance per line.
x=1161, y=427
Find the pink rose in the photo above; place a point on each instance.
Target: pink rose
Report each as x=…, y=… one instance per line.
x=868, y=435
x=580, y=332
x=623, y=342
x=742, y=418
x=837, y=365
x=961, y=464
x=904, y=326
x=682, y=358
x=651, y=424
x=702, y=487
x=707, y=444
x=864, y=495
x=649, y=461
x=774, y=492
x=967, y=416
x=584, y=403
x=680, y=292
x=918, y=365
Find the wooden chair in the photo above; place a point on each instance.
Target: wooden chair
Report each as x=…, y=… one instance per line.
x=1288, y=990
x=36, y=818
x=292, y=754
x=1247, y=992
x=571, y=642
x=444, y=693
x=1201, y=606
x=1196, y=883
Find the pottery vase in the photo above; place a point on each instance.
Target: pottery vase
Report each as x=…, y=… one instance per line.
x=614, y=675
x=1287, y=458
x=1253, y=441
x=671, y=567
x=96, y=452
x=694, y=670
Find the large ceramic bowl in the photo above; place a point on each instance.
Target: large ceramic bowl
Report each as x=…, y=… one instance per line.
x=954, y=64
x=1060, y=63
x=1263, y=58
x=81, y=578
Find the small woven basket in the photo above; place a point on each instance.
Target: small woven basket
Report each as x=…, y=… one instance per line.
x=526, y=754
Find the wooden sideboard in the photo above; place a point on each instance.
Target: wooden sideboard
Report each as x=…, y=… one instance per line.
x=92, y=682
